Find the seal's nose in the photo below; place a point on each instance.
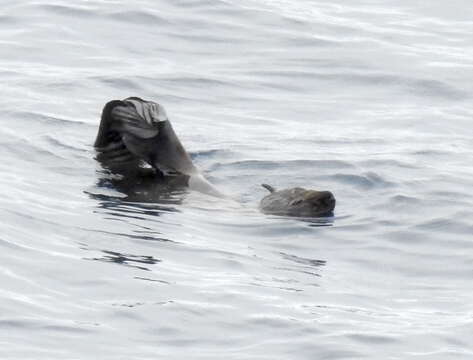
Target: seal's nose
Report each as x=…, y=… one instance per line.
x=327, y=198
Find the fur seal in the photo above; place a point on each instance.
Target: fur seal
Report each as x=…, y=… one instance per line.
x=297, y=201
x=133, y=131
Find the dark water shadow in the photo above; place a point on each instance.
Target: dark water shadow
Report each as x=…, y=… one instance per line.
x=136, y=261
x=147, y=235
x=323, y=220
x=303, y=265
x=138, y=198
x=302, y=260
x=138, y=193
x=143, y=185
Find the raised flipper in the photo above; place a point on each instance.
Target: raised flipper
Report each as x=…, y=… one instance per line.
x=112, y=153
x=142, y=128
x=269, y=188
x=115, y=152
x=127, y=119
x=105, y=135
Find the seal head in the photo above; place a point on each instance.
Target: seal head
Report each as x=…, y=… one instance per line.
x=298, y=202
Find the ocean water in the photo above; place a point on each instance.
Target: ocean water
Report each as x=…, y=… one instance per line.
x=369, y=99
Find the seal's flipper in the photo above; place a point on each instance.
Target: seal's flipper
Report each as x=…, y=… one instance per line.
x=135, y=129
x=151, y=111
x=105, y=134
x=138, y=117
x=114, y=152
x=199, y=183
x=126, y=119
x=269, y=188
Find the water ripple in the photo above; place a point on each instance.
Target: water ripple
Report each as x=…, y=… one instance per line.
x=67, y=10
x=138, y=17
x=369, y=180
x=368, y=100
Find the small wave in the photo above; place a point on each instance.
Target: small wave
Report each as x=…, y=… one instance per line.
x=55, y=142
x=369, y=180
x=49, y=325
x=209, y=37
x=311, y=42
x=387, y=162
x=27, y=151
x=286, y=165
x=197, y=81
x=212, y=154
x=430, y=153
x=203, y=4
x=8, y=20
x=347, y=140
x=454, y=196
x=436, y=88
x=404, y=200
x=303, y=261
x=138, y=17
x=44, y=118
x=10, y=245
x=421, y=87
x=449, y=226
x=152, y=236
x=119, y=83
x=152, y=280
x=68, y=10
x=371, y=339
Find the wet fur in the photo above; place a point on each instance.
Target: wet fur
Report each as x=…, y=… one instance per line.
x=126, y=142
x=298, y=202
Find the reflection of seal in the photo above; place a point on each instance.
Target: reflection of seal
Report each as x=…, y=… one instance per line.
x=134, y=130
x=297, y=202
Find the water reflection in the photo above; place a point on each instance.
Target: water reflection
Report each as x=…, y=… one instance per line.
x=152, y=280
x=303, y=265
x=319, y=221
x=141, y=186
x=302, y=260
x=137, y=194
x=127, y=259
x=141, y=235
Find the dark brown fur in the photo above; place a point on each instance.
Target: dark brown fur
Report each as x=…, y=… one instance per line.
x=298, y=202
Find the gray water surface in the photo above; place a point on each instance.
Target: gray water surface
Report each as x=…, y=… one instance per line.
x=368, y=99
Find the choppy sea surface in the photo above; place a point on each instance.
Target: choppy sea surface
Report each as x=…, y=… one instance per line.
x=369, y=99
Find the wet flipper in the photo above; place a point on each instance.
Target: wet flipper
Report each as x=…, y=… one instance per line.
x=106, y=135
x=115, y=152
x=269, y=188
x=143, y=129
x=128, y=120
x=111, y=150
